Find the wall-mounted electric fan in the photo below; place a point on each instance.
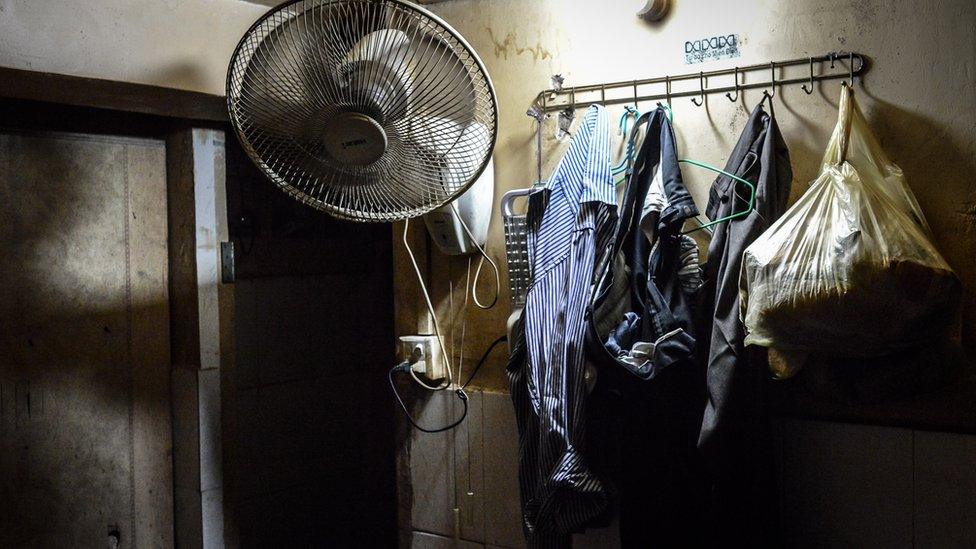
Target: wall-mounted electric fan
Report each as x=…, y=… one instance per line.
x=371, y=110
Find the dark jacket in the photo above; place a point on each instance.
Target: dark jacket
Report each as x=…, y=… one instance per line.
x=734, y=440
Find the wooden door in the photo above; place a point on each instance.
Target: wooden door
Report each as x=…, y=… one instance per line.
x=85, y=439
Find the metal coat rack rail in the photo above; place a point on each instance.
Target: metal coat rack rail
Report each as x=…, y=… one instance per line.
x=578, y=97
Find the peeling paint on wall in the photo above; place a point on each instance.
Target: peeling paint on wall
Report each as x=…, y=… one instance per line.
x=510, y=45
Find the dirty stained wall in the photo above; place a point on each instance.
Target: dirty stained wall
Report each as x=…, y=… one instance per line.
x=918, y=97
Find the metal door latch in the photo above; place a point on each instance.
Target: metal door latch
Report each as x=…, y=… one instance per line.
x=227, y=275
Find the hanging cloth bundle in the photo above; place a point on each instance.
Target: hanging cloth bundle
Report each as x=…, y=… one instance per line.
x=850, y=269
x=645, y=409
x=639, y=316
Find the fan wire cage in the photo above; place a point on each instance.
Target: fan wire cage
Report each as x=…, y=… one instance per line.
x=370, y=110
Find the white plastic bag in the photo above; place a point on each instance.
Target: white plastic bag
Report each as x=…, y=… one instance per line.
x=850, y=269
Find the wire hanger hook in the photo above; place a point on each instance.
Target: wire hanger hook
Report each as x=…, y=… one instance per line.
x=772, y=83
x=701, y=84
x=809, y=90
x=851, y=68
x=735, y=74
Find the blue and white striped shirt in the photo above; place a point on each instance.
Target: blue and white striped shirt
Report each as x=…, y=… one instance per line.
x=569, y=219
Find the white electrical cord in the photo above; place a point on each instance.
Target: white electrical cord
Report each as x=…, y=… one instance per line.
x=450, y=307
x=464, y=322
x=481, y=262
x=449, y=380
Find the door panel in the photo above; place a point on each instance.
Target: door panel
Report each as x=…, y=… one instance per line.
x=85, y=440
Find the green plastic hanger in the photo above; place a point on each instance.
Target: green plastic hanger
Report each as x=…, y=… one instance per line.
x=752, y=188
x=622, y=127
x=752, y=195
x=667, y=109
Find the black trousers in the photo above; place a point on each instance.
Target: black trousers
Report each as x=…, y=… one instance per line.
x=645, y=435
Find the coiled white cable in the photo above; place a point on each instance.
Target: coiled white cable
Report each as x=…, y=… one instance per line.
x=481, y=262
x=449, y=380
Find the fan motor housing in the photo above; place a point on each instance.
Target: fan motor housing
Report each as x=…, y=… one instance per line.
x=354, y=138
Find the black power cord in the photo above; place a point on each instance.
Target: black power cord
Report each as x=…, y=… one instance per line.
x=483, y=358
x=404, y=367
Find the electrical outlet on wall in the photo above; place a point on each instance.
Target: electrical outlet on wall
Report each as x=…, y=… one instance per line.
x=425, y=354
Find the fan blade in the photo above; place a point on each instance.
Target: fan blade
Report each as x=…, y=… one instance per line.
x=386, y=46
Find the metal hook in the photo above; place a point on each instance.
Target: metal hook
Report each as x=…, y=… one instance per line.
x=735, y=74
x=772, y=82
x=804, y=87
x=701, y=85
x=851, y=68
x=636, y=107
x=538, y=114
x=667, y=90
